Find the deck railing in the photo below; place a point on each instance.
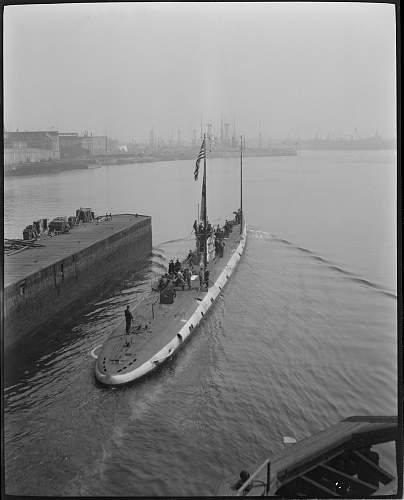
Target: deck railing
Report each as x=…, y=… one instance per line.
x=266, y=484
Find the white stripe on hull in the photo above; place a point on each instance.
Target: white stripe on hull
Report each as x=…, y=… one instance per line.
x=192, y=323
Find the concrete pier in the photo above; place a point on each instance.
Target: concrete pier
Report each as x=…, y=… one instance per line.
x=41, y=282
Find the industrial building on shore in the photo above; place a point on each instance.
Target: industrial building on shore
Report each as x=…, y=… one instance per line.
x=22, y=147
x=43, y=146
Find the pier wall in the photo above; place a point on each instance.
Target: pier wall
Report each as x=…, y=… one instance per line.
x=43, y=295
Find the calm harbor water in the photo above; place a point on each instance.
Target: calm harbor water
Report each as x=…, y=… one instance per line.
x=303, y=335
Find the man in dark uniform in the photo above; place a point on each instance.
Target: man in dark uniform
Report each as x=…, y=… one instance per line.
x=201, y=274
x=207, y=278
x=189, y=260
x=190, y=257
x=244, y=475
x=129, y=319
x=187, y=277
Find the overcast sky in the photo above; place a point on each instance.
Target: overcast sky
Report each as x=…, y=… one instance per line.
x=122, y=68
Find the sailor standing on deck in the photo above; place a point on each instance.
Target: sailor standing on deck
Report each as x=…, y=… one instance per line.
x=207, y=278
x=129, y=319
x=201, y=276
x=189, y=259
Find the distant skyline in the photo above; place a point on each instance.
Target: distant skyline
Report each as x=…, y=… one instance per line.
x=121, y=69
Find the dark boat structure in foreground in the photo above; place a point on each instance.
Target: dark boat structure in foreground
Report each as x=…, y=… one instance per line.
x=341, y=461
x=165, y=319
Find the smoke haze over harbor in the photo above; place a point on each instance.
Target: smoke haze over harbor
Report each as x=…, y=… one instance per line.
x=105, y=105
x=293, y=69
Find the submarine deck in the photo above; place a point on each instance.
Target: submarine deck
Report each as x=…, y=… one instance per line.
x=149, y=335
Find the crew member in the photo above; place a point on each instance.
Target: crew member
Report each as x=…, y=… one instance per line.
x=207, y=278
x=189, y=260
x=187, y=277
x=163, y=281
x=221, y=248
x=180, y=280
x=244, y=475
x=129, y=319
x=177, y=266
x=190, y=257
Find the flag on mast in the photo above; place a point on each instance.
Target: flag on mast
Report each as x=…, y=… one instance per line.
x=201, y=155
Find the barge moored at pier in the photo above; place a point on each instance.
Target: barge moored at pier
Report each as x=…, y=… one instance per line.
x=42, y=280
